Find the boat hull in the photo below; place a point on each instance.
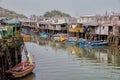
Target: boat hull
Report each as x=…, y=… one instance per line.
x=83, y=43
x=71, y=42
x=100, y=44
x=44, y=35
x=17, y=71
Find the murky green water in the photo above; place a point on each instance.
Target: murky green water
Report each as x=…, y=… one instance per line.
x=57, y=61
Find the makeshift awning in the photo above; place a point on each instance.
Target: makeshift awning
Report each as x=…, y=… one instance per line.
x=13, y=22
x=44, y=22
x=59, y=23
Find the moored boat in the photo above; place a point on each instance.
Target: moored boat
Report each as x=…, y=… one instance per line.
x=18, y=71
x=71, y=40
x=98, y=44
x=82, y=42
x=60, y=37
x=44, y=35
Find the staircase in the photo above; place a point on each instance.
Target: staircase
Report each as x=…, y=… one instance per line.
x=91, y=37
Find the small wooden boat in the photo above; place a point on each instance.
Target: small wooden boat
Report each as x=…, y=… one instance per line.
x=98, y=44
x=18, y=71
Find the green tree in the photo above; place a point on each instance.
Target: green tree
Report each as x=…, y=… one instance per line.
x=56, y=13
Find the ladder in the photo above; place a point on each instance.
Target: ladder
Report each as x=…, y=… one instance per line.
x=91, y=36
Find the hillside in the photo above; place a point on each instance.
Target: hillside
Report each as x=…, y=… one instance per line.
x=10, y=14
x=56, y=13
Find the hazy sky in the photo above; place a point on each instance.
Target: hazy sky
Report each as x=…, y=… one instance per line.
x=73, y=7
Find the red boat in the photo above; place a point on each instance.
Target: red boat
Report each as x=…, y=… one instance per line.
x=18, y=71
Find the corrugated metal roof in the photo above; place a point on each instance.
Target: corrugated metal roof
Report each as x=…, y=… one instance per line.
x=44, y=22
x=12, y=22
x=58, y=23
x=90, y=24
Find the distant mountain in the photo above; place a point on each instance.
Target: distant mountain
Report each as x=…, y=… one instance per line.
x=10, y=14
x=56, y=13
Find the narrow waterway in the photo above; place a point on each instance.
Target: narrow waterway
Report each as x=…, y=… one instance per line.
x=58, y=61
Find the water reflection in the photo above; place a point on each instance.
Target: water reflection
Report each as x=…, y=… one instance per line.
x=59, y=61
x=58, y=45
x=114, y=55
x=30, y=76
x=106, y=55
x=68, y=62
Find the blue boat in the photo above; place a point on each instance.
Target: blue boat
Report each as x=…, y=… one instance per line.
x=44, y=35
x=82, y=43
x=71, y=41
x=98, y=44
x=96, y=41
